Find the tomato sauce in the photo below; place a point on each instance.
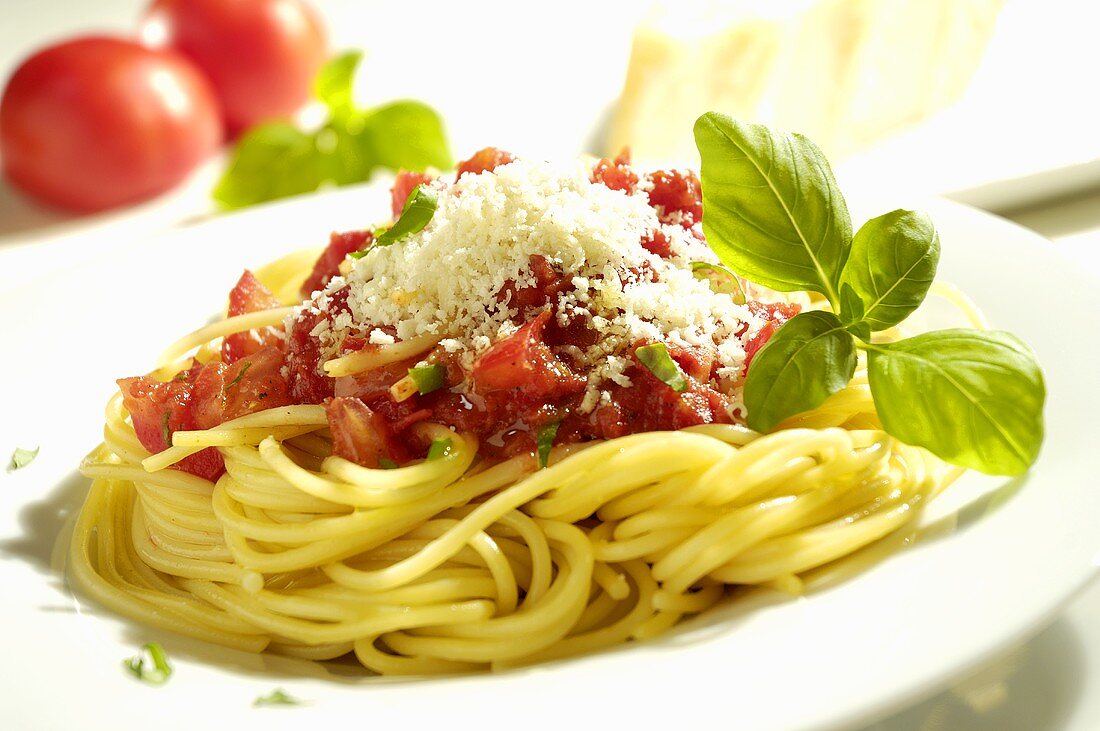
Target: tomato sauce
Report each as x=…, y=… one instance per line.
x=522, y=382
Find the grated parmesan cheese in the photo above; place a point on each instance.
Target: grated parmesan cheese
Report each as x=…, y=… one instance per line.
x=445, y=279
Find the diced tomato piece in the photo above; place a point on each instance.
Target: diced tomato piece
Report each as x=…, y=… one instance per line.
x=308, y=384
x=657, y=243
x=227, y=391
x=523, y=364
x=549, y=283
x=403, y=185
x=776, y=313
x=698, y=362
x=677, y=197
x=483, y=161
x=362, y=435
x=158, y=409
x=250, y=295
x=616, y=174
x=328, y=263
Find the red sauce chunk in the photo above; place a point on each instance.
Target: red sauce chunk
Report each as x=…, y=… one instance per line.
x=484, y=161
x=328, y=264
x=250, y=295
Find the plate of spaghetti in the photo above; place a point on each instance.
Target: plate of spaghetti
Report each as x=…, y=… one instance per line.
x=588, y=440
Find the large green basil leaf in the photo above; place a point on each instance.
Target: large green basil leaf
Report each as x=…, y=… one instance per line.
x=271, y=161
x=772, y=210
x=335, y=83
x=972, y=397
x=892, y=265
x=405, y=134
x=806, y=360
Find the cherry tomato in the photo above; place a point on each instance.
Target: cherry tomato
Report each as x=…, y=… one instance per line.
x=94, y=123
x=260, y=55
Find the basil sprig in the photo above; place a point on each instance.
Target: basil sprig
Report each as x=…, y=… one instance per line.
x=20, y=458
x=278, y=159
x=277, y=697
x=774, y=214
x=157, y=671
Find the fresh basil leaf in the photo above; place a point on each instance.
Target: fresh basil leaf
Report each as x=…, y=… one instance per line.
x=277, y=697
x=20, y=458
x=721, y=280
x=427, y=378
x=157, y=671
x=772, y=210
x=807, y=359
x=417, y=213
x=655, y=357
x=545, y=441
x=438, y=449
x=405, y=134
x=345, y=160
x=851, y=313
x=335, y=82
x=971, y=397
x=891, y=267
x=271, y=161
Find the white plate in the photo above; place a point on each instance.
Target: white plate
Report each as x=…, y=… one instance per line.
x=1017, y=550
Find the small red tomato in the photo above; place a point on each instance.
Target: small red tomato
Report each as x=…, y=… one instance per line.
x=94, y=123
x=260, y=55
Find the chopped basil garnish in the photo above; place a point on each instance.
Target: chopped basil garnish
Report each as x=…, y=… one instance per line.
x=157, y=671
x=20, y=458
x=545, y=440
x=427, y=378
x=439, y=449
x=418, y=211
x=277, y=697
x=240, y=375
x=721, y=280
x=165, y=430
x=655, y=357
x=387, y=464
x=776, y=216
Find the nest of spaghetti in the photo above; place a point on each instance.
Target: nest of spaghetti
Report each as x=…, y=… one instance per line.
x=481, y=446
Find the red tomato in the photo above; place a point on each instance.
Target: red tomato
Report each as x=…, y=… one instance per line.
x=250, y=295
x=484, y=160
x=677, y=196
x=328, y=263
x=226, y=391
x=776, y=313
x=157, y=410
x=260, y=55
x=523, y=364
x=616, y=174
x=98, y=122
x=362, y=435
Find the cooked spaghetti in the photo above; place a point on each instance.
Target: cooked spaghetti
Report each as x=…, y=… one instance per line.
x=511, y=436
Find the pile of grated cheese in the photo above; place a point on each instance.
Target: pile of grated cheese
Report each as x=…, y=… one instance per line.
x=444, y=280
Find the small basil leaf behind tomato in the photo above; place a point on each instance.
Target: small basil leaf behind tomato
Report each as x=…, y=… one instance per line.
x=260, y=55
x=96, y=122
